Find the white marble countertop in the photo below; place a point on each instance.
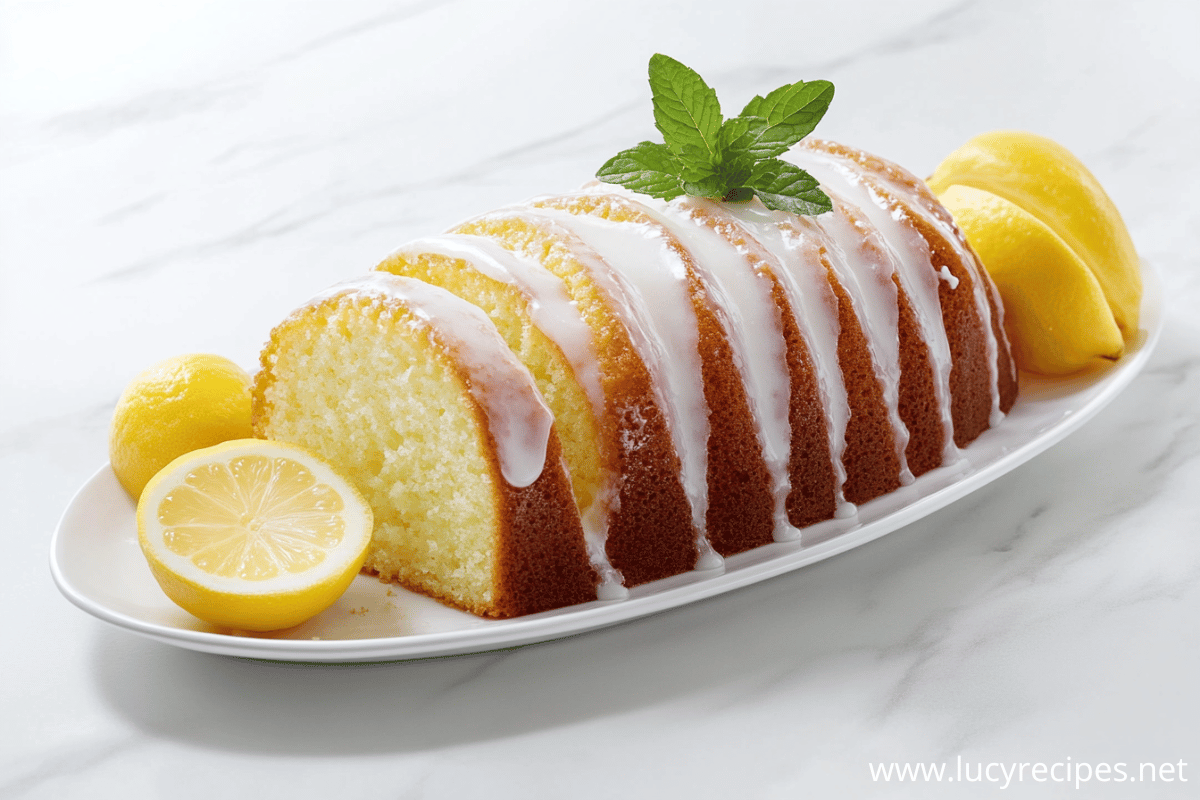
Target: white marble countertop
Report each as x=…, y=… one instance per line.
x=175, y=177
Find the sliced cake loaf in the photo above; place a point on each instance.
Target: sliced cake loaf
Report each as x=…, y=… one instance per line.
x=721, y=376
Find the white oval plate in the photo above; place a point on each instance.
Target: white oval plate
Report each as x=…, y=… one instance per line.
x=98, y=565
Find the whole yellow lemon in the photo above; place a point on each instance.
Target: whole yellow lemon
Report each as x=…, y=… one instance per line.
x=177, y=406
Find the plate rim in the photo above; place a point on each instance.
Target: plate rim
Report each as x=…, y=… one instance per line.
x=695, y=586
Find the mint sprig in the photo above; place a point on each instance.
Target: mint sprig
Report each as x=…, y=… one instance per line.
x=704, y=155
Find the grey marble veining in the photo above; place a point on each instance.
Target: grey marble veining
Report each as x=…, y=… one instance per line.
x=177, y=177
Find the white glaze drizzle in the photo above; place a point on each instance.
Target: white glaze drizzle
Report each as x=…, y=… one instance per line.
x=639, y=271
x=925, y=205
x=814, y=308
x=557, y=316
x=550, y=306
x=517, y=417
x=912, y=259
x=750, y=317
x=864, y=271
x=945, y=274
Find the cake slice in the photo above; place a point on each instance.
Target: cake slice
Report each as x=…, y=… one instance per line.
x=651, y=387
x=545, y=331
x=412, y=394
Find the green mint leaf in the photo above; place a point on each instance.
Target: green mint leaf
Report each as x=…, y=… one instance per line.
x=736, y=136
x=736, y=172
x=705, y=155
x=737, y=162
x=648, y=168
x=733, y=171
x=785, y=187
x=710, y=186
x=686, y=112
x=696, y=168
x=785, y=116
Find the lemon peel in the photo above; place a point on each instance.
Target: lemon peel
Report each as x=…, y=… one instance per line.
x=178, y=405
x=253, y=534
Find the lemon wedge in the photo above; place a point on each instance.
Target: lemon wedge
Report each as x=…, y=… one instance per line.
x=1048, y=181
x=178, y=405
x=1055, y=312
x=252, y=534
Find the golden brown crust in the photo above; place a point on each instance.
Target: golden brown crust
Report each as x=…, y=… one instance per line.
x=650, y=536
x=813, y=494
x=918, y=404
x=541, y=560
x=741, y=513
x=872, y=466
x=1009, y=387
x=970, y=377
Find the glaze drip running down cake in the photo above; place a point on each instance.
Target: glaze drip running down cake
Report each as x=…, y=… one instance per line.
x=719, y=376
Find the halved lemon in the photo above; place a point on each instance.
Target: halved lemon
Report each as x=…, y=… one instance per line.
x=253, y=534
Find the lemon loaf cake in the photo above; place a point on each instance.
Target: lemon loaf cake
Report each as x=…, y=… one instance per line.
x=411, y=393
x=720, y=375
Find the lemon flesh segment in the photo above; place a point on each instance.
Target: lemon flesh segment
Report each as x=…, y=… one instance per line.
x=178, y=405
x=1055, y=312
x=252, y=534
x=1048, y=181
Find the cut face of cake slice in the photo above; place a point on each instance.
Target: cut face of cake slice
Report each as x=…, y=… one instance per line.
x=544, y=329
x=412, y=393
